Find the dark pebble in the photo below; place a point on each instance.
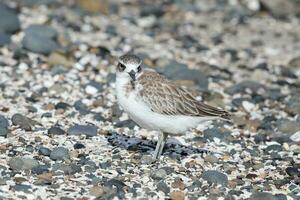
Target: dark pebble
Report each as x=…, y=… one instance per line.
x=39, y=44
x=293, y=171
x=40, y=169
x=88, y=130
x=242, y=86
x=179, y=71
x=162, y=186
x=56, y=131
x=78, y=146
x=44, y=151
x=62, y=105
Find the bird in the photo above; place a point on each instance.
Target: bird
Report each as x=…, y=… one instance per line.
x=156, y=103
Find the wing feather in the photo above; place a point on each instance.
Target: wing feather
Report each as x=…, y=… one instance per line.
x=164, y=97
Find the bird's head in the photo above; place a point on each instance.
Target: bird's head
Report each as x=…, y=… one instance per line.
x=129, y=67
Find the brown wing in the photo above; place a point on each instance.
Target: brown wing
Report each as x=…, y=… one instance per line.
x=167, y=98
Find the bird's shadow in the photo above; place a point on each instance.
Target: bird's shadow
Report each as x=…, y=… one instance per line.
x=143, y=145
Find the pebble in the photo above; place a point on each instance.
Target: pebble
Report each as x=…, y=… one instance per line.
x=4, y=39
x=22, y=163
x=44, y=151
x=22, y=188
x=40, y=30
x=162, y=186
x=39, y=44
x=23, y=122
x=78, y=146
x=293, y=171
x=3, y=126
x=88, y=130
x=242, y=86
x=216, y=177
x=262, y=195
x=56, y=131
x=59, y=153
x=9, y=21
x=179, y=71
x=159, y=174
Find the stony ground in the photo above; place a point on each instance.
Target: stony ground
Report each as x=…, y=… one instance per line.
x=64, y=137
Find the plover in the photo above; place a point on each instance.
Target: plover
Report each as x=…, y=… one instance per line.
x=155, y=103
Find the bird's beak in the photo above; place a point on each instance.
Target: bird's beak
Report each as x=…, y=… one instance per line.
x=132, y=75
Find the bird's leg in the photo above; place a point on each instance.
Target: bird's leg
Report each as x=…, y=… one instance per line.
x=160, y=145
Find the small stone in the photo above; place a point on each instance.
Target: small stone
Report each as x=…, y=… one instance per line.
x=68, y=169
x=242, y=86
x=78, y=146
x=177, y=195
x=9, y=21
x=59, y=153
x=41, y=31
x=22, y=163
x=56, y=131
x=39, y=44
x=288, y=127
x=22, y=121
x=4, y=39
x=88, y=130
x=96, y=191
x=62, y=105
x=22, y=188
x=44, y=151
x=162, y=186
x=3, y=132
x=159, y=174
x=81, y=107
x=293, y=171
x=3, y=122
x=262, y=195
x=179, y=71
x=216, y=177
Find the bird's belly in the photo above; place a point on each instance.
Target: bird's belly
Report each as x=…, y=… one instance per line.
x=146, y=118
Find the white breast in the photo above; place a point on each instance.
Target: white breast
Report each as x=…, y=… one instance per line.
x=146, y=118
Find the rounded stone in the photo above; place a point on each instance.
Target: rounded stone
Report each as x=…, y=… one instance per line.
x=88, y=130
x=59, y=153
x=56, y=131
x=216, y=177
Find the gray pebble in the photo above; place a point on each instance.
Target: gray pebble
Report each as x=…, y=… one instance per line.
x=242, y=86
x=39, y=44
x=41, y=31
x=22, y=121
x=9, y=21
x=22, y=188
x=59, y=153
x=44, y=151
x=216, y=177
x=88, y=130
x=4, y=39
x=22, y=163
x=162, y=186
x=159, y=174
x=56, y=131
x=262, y=196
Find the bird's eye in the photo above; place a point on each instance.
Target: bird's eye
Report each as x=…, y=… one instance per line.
x=139, y=68
x=121, y=67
